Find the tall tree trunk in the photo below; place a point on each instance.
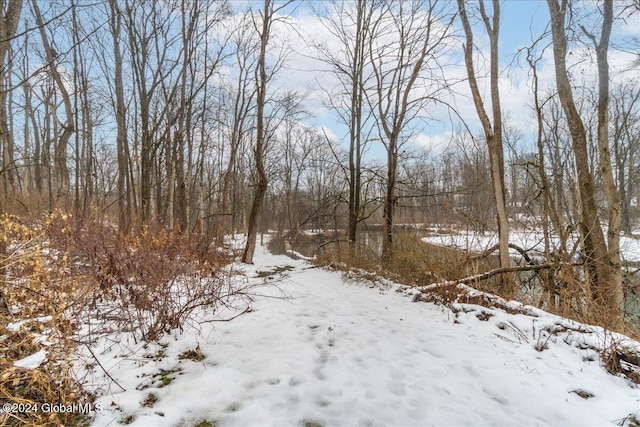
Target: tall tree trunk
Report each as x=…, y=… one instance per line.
x=602, y=267
x=610, y=289
x=493, y=132
x=10, y=16
x=28, y=160
x=78, y=146
x=180, y=216
x=36, y=159
x=549, y=207
x=396, y=68
x=87, y=131
x=124, y=212
x=179, y=198
x=355, y=126
x=260, y=186
x=7, y=169
x=171, y=147
x=390, y=195
x=62, y=180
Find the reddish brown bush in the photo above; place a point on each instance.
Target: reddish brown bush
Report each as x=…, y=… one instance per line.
x=148, y=282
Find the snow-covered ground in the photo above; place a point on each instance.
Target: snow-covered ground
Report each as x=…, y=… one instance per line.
x=528, y=240
x=341, y=352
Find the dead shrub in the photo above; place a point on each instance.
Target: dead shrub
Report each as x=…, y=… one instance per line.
x=38, y=294
x=412, y=262
x=148, y=283
x=619, y=359
x=22, y=344
x=276, y=245
x=33, y=388
x=59, y=273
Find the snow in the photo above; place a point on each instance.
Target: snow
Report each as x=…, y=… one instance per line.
x=16, y=326
x=529, y=240
x=341, y=352
x=298, y=255
x=33, y=361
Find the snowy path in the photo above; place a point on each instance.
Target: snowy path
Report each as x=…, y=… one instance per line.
x=344, y=354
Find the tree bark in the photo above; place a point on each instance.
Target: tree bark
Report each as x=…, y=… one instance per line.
x=260, y=186
x=356, y=125
x=124, y=213
x=493, y=132
x=62, y=178
x=242, y=104
x=602, y=274
x=610, y=291
x=10, y=16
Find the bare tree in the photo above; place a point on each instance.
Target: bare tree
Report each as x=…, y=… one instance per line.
x=245, y=57
x=551, y=218
x=268, y=16
x=124, y=201
x=62, y=178
x=10, y=11
x=150, y=44
x=407, y=37
x=350, y=24
x=625, y=135
x=492, y=128
x=602, y=257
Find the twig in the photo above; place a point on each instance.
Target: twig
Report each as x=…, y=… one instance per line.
x=248, y=309
x=103, y=368
x=492, y=249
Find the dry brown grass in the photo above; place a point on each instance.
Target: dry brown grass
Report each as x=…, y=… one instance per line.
x=36, y=387
x=36, y=283
x=149, y=282
x=55, y=270
x=413, y=262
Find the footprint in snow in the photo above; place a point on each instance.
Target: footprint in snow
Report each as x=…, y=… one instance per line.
x=310, y=423
x=251, y=385
x=324, y=357
x=322, y=403
x=234, y=407
x=396, y=388
x=293, y=401
x=295, y=380
x=417, y=414
x=434, y=353
x=360, y=362
x=470, y=369
x=415, y=403
x=317, y=372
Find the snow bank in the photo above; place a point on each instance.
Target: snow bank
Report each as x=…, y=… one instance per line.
x=33, y=361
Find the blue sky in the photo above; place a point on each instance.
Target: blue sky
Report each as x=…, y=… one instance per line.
x=519, y=19
x=521, y=22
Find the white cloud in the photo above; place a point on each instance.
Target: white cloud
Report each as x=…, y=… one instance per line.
x=434, y=144
x=306, y=74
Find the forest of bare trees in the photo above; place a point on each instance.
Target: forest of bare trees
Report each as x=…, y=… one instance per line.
x=188, y=115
